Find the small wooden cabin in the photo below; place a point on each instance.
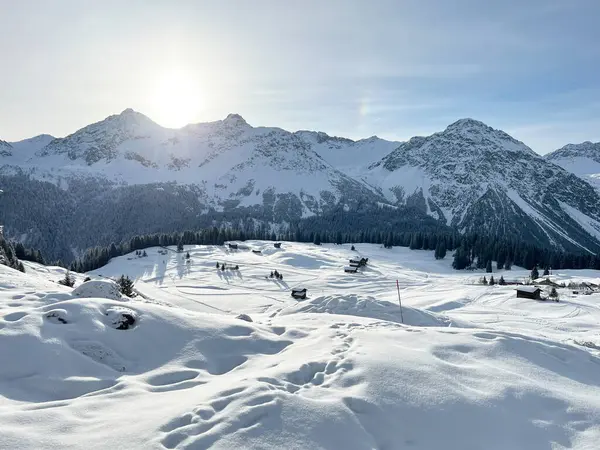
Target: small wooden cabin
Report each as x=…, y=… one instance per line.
x=548, y=282
x=233, y=246
x=277, y=245
x=299, y=293
x=360, y=262
x=257, y=252
x=351, y=269
x=531, y=292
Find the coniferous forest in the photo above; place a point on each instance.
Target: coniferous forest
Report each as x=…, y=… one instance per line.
x=469, y=251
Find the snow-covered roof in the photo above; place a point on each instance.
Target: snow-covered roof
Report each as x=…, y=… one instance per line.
x=530, y=289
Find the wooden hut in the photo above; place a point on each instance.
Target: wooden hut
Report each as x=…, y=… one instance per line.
x=548, y=282
x=233, y=246
x=299, y=293
x=351, y=269
x=531, y=292
x=257, y=252
x=277, y=245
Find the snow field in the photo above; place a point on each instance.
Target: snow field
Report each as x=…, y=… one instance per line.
x=471, y=367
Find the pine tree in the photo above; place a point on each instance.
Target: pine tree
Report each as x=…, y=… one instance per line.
x=352, y=248
x=440, y=249
x=180, y=246
x=125, y=286
x=68, y=280
x=414, y=244
x=502, y=282
x=338, y=238
x=488, y=267
x=492, y=281
x=144, y=253
x=389, y=241
x=534, y=273
x=484, y=280
x=461, y=259
x=546, y=271
x=19, y=250
x=187, y=255
x=317, y=239
x=554, y=294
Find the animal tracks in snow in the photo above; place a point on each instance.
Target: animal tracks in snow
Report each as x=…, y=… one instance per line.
x=231, y=411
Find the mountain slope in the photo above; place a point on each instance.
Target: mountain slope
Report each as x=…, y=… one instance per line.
x=126, y=175
x=231, y=162
x=581, y=159
x=480, y=179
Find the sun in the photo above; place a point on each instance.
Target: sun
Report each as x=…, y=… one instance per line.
x=177, y=100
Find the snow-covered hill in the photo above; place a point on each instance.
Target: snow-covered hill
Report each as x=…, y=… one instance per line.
x=464, y=366
x=469, y=176
x=581, y=159
x=478, y=179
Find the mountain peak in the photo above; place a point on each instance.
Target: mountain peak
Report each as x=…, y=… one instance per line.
x=127, y=111
x=235, y=119
x=586, y=149
x=469, y=124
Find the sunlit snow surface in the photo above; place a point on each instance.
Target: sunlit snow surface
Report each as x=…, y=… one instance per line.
x=471, y=367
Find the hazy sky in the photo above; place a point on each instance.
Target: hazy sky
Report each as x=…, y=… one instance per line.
x=394, y=68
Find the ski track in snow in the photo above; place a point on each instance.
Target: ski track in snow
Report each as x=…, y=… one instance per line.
x=465, y=366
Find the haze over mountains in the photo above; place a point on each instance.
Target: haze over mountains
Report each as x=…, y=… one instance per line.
x=127, y=175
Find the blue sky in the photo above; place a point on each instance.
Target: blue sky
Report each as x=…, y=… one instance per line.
x=394, y=68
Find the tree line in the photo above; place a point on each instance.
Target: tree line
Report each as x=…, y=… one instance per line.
x=469, y=251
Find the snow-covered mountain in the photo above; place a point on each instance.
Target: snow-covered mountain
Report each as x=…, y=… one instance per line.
x=478, y=179
x=581, y=159
x=230, y=161
x=469, y=176
x=5, y=148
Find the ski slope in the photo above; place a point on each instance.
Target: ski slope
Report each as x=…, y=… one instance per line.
x=462, y=366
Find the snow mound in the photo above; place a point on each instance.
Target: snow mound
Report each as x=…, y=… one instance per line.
x=98, y=289
x=74, y=348
x=366, y=306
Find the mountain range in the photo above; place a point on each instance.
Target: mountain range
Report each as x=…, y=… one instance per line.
x=127, y=175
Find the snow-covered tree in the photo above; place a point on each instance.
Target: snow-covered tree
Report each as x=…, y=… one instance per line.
x=68, y=280
x=126, y=286
x=534, y=273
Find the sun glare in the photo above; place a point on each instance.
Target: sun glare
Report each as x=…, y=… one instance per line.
x=177, y=99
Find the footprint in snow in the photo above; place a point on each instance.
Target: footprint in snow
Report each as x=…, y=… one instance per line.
x=228, y=414
x=13, y=317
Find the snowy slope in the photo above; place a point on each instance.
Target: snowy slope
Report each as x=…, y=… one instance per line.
x=351, y=157
x=582, y=160
x=477, y=178
x=471, y=367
